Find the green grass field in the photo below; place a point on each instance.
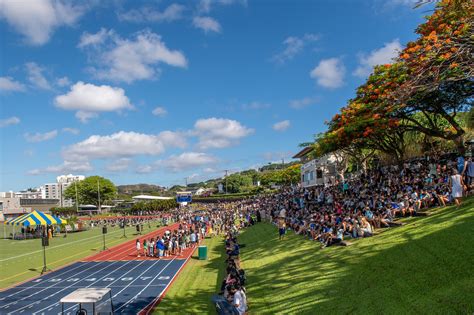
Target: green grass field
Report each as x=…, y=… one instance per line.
x=191, y=292
x=424, y=267
x=21, y=260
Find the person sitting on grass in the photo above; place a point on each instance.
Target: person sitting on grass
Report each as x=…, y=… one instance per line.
x=281, y=227
x=239, y=299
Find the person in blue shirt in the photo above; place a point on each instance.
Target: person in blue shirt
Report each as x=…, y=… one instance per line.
x=160, y=247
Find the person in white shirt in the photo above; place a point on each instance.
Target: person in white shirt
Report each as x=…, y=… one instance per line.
x=239, y=300
x=457, y=185
x=137, y=245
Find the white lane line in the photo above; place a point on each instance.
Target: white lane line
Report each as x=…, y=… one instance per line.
x=152, y=304
x=116, y=294
x=107, y=286
x=52, y=247
x=107, y=265
x=139, y=293
x=54, y=283
x=35, y=285
x=57, y=303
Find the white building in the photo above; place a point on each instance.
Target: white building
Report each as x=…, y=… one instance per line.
x=149, y=198
x=30, y=194
x=56, y=190
x=319, y=171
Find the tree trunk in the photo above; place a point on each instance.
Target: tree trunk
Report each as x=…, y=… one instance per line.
x=459, y=141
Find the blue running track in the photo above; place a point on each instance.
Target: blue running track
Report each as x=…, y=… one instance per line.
x=135, y=285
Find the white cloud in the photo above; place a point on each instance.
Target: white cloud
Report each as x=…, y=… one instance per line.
x=293, y=46
x=207, y=24
x=403, y=2
x=255, y=106
x=159, y=111
x=146, y=14
x=8, y=84
x=9, y=121
x=377, y=57
x=119, y=165
x=144, y=169
x=40, y=137
x=65, y=167
x=277, y=156
x=219, y=132
x=329, y=73
x=281, y=125
x=36, y=77
x=187, y=160
x=205, y=6
x=36, y=20
x=98, y=38
x=73, y=131
x=64, y=81
x=89, y=99
x=128, y=60
x=303, y=102
x=123, y=144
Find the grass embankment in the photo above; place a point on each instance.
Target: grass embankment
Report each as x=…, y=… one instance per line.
x=21, y=260
x=423, y=267
x=192, y=291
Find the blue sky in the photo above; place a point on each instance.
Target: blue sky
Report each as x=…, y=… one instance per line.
x=157, y=91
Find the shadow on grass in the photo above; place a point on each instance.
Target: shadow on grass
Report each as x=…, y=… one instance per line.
x=423, y=267
x=195, y=289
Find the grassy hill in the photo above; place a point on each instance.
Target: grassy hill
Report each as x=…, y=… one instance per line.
x=423, y=267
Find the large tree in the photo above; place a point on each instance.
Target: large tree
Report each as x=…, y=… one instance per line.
x=89, y=188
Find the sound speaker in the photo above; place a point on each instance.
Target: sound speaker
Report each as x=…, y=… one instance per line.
x=45, y=241
x=138, y=227
x=104, y=230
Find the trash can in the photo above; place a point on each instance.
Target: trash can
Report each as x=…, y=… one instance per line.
x=202, y=252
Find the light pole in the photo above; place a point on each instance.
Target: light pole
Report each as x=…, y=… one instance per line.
x=98, y=194
x=226, y=181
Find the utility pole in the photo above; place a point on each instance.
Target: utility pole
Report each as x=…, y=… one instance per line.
x=226, y=181
x=77, y=198
x=186, y=181
x=98, y=194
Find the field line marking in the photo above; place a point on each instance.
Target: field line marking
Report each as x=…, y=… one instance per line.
x=36, y=285
x=151, y=281
x=57, y=303
x=52, y=247
x=56, y=261
x=147, y=309
x=48, y=287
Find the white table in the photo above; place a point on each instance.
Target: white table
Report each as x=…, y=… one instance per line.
x=87, y=295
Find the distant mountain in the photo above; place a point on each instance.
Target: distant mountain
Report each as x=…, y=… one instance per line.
x=139, y=189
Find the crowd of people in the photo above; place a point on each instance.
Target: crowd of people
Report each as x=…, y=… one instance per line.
x=355, y=207
x=189, y=234
x=227, y=219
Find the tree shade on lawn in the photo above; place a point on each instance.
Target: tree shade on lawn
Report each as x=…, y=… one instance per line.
x=422, y=267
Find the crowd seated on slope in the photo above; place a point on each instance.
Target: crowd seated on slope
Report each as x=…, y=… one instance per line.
x=232, y=298
x=356, y=207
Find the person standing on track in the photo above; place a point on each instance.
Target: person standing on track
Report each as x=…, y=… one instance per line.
x=145, y=247
x=137, y=246
x=151, y=248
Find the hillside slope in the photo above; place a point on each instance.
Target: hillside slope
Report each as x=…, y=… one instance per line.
x=424, y=267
